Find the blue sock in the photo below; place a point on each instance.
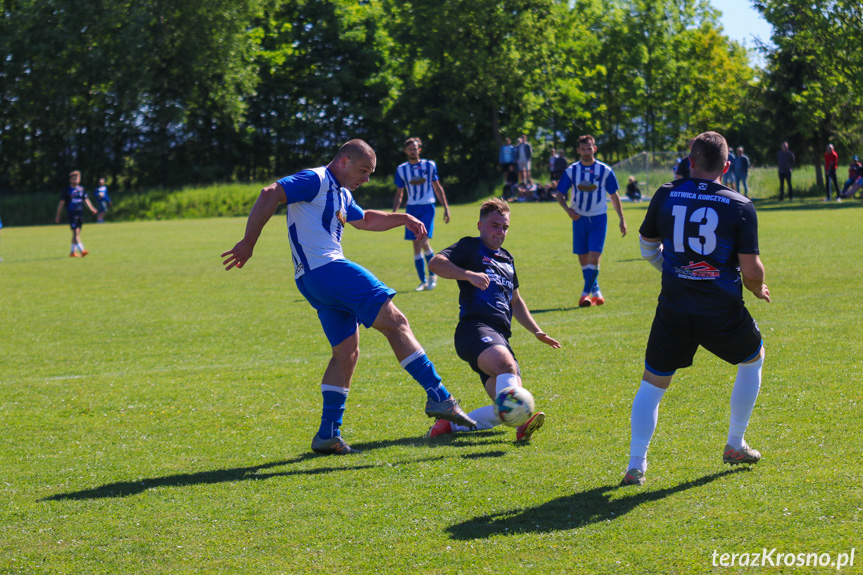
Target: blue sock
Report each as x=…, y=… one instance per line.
x=589, y=272
x=420, y=367
x=335, y=399
x=428, y=256
x=421, y=267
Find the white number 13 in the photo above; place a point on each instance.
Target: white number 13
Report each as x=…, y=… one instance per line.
x=705, y=242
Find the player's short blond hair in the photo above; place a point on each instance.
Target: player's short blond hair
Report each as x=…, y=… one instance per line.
x=74, y=173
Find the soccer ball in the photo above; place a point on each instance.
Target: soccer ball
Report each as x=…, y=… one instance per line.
x=514, y=406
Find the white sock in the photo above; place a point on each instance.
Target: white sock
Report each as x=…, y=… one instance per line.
x=505, y=380
x=80, y=246
x=743, y=397
x=485, y=419
x=73, y=248
x=645, y=413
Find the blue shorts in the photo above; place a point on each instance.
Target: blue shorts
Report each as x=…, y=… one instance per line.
x=425, y=214
x=344, y=294
x=588, y=234
x=675, y=336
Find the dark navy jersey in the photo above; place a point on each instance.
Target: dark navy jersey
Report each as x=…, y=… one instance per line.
x=492, y=305
x=74, y=198
x=703, y=226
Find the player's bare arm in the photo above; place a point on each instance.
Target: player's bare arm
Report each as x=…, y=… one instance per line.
x=378, y=221
x=562, y=200
x=397, y=199
x=59, y=211
x=90, y=205
x=442, y=267
x=752, y=273
x=264, y=208
x=441, y=197
x=521, y=313
x=615, y=201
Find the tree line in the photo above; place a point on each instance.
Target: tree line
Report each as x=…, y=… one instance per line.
x=158, y=93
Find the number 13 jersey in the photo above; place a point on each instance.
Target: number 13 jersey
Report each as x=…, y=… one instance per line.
x=703, y=226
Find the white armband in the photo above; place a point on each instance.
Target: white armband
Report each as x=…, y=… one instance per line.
x=652, y=252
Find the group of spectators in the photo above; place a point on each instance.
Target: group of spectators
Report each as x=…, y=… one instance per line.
x=515, y=163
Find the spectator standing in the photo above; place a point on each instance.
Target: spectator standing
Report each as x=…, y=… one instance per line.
x=506, y=156
x=523, y=153
x=741, y=171
x=785, y=162
x=831, y=163
x=556, y=165
x=728, y=177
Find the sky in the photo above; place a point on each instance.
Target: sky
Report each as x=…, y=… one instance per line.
x=743, y=23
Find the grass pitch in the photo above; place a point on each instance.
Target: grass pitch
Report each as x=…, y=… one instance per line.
x=157, y=412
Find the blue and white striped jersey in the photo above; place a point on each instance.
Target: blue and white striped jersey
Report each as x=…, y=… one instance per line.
x=417, y=178
x=318, y=209
x=589, y=186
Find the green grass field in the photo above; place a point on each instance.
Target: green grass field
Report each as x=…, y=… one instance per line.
x=157, y=412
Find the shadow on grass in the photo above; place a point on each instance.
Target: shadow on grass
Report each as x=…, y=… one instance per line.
x=571, y=511
x=254, y=472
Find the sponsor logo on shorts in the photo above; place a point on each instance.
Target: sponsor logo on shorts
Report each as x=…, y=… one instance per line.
x=697, y=271
x=486, y=339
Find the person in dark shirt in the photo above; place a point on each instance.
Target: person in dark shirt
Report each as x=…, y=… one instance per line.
x=703, y=238
x=785, y=161
x=488, y=300
x=74, y=198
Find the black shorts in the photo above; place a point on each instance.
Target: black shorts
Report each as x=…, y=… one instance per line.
x=76, y=221
x=472, y=337
x=675, y=336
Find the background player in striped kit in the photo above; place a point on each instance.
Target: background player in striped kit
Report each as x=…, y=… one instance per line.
x=590, y=180
x=420, y=178
x=344, y=294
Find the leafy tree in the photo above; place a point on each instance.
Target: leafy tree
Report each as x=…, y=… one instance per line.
x=814, y=74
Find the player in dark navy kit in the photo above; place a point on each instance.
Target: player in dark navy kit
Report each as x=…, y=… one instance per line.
x=488, y=299
x=75, y=198
x=703, y=237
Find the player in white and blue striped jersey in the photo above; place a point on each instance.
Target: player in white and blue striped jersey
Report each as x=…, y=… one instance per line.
x=419, y=177
x=590, y=181
x=344, y=294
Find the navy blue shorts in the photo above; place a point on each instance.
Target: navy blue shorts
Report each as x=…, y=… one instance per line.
x=345, y=294
x=76, y=221
x=472, y=337
x=675, y=336
x=425, y=214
